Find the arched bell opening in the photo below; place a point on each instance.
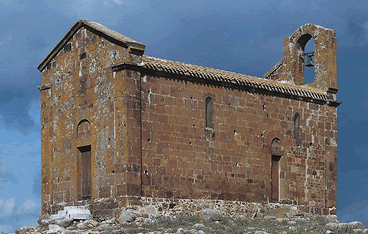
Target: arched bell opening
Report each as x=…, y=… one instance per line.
x=306, y=50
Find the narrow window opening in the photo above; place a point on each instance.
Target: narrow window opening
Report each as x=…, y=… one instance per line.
x=82, y=56
x=209, y=112
x=68, y=47
x=297, y=127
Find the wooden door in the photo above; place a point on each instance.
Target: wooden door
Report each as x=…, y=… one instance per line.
x=275, y=178
x=85, y=172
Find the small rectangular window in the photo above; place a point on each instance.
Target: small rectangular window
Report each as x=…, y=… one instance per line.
x=82, y=56
x=68, y=47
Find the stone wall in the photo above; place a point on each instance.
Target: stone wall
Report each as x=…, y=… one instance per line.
x=108, y=208
x=114, y=131
x=79, y=106
x=232, y=161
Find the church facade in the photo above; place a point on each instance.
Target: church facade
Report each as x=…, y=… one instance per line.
x=117, y=124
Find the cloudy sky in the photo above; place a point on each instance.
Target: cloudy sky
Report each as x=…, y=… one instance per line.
x=241, y=36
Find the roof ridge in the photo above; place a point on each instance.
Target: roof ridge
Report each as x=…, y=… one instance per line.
x=97, y=28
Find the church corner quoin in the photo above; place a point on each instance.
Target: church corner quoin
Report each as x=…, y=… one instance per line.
x=118, y=126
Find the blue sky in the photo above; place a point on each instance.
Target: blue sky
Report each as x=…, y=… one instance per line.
x=241, y=36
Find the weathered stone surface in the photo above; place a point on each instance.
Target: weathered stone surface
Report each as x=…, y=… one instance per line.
x=117, y=126
x=127, y=216
x=82, y=225
x=338, y=226
x=93, y=223
x=104, y=227
x=180, y=223
x=210, y=214
x=199, y=225
x=64, y=222
x=55, y=228
x=356, y=225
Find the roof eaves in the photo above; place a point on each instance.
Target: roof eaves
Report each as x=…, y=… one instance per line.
x=233, y=78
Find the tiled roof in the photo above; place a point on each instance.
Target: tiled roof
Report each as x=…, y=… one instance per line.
x=111, y=33
x=213, y=74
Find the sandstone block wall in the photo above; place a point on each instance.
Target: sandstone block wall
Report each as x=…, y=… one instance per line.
x=80, y=106
x=114, y=130
x=232, y=161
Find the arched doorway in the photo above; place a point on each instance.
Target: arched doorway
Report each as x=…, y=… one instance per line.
x=84, y=162
x=276, y=153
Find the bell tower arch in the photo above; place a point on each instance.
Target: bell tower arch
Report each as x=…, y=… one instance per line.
x=325, y=70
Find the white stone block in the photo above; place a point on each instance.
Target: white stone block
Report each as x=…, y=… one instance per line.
x=72, y=212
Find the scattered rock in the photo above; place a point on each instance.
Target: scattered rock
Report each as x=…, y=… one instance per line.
x=210, y=214
x=82, y=225
x=21, y=229
x=357, y=230
x=64, y=222
x=44, y=222
x=104, y=227
x=298, y=219
x=280, y=220
x=293, y=229
x=127, y=216
x=199, y=226
x=132, y=221
x=56, y=228
x=149, y=210
x=93, y=223
x=356, y=225
x=109, y=221
x=331, y=218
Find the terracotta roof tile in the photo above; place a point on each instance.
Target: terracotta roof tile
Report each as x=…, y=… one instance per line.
x=206, y=73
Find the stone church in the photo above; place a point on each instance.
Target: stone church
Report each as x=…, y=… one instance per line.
x=117, y=126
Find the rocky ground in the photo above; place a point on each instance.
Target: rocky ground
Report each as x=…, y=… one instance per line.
x=206, y=221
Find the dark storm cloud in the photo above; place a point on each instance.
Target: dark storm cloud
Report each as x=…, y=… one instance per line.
x=14, y=108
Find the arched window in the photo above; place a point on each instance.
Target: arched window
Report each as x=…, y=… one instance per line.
x=84, y=128
x=209, y=112
x=297, y=127
x=276, y=144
